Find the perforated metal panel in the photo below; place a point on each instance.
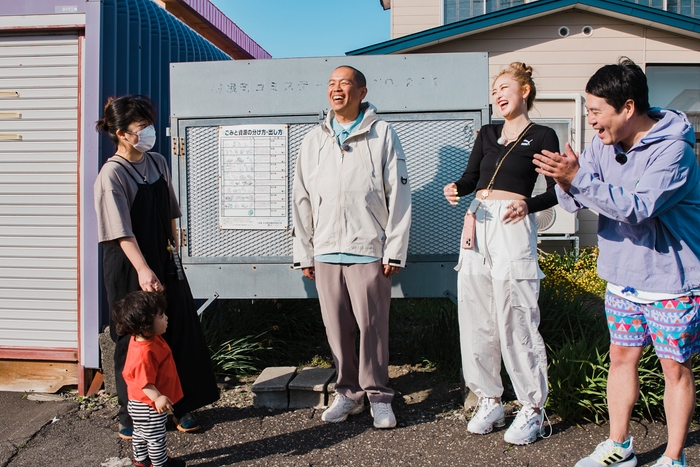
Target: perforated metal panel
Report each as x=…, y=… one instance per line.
x=436, y=153
x=205, y=237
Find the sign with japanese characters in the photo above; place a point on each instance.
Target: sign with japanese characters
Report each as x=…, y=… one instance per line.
x=253, y=174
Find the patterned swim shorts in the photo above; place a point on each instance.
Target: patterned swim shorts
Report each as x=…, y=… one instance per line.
x=673, y=326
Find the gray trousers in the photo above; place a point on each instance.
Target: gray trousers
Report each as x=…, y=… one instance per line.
x=352, y=296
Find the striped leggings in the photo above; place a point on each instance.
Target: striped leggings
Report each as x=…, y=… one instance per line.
x=149, y=433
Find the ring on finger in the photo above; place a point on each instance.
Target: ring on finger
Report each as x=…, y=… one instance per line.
x=514, y=209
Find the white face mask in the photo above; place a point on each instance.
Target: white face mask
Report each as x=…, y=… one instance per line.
x=146, y=139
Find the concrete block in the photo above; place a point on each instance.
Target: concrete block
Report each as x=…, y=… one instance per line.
x=107, y=359
x=270, y=389
x=308, y=388
x=330, y=390
x=469, y=398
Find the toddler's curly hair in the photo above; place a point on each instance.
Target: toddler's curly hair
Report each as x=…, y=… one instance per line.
x=135, y=313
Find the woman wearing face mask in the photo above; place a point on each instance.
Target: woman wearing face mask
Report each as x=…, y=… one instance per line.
x=499, y=277
x=136, y=211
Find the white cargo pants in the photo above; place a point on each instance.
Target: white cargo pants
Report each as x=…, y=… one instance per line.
x=498, y=287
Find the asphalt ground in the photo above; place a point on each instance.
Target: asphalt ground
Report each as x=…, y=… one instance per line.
x=431, y=431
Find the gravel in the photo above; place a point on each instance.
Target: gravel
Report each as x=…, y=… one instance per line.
x=431, y=431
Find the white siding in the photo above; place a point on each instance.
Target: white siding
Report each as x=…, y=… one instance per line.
x=39, y=192
x=409, y=16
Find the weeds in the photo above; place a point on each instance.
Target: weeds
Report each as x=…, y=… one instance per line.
x=246, y=336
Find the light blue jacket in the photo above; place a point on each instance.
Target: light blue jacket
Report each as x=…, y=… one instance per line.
x=649, y=207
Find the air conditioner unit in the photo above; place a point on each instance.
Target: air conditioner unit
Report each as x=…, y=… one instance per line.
x=554, y=220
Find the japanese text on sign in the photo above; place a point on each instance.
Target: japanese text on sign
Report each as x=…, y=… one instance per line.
x=253, y=170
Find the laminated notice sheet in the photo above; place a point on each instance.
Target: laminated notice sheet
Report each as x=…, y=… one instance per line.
x=253, y=173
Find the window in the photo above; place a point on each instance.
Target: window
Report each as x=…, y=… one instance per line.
x=457, y=10
x=682, y=7
x=677, y=87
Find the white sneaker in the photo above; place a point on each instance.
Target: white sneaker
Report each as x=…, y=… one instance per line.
x=665, y=461
x=606, y=454
x=489, y=413
x=383, y=414
x=526, y=426
x=341, y=407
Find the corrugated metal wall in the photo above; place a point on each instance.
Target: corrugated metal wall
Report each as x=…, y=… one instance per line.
x=140, y=40
x=38, y=191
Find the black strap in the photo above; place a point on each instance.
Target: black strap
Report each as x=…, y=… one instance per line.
x=145, y=180
x=155, y=165
x=127, y=170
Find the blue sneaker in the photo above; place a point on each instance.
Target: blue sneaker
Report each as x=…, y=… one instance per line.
x=665, y=461
x=188, y=423
x=125, y=432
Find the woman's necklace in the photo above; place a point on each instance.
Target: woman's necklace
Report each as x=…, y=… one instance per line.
x=507, y=136
x=132, y=166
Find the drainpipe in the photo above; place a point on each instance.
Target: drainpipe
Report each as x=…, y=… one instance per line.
x=578, y=114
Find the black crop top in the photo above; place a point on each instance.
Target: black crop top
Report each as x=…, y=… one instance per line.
x=517, y=174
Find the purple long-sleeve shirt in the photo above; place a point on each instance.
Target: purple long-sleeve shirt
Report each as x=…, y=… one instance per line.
x=649, y=207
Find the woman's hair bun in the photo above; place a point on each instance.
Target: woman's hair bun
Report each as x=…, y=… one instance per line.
x=101, y=125
x=521, y=67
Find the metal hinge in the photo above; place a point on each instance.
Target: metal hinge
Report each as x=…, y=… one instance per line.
x=178, y=148
x=183, y=237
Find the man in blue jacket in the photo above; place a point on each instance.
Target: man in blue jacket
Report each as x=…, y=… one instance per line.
x=641, y=175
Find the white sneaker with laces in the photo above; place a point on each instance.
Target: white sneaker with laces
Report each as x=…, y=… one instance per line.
x=665, y=461
x=341, y=407
x=383, y=414
x=527, y=425
x=489, y=413
x=606, y=454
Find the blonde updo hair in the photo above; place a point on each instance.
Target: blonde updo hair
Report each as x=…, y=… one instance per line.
x=523, y=75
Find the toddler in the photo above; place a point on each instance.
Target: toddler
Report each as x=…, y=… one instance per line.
x=151, y=377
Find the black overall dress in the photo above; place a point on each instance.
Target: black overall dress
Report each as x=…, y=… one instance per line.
x=151, y=224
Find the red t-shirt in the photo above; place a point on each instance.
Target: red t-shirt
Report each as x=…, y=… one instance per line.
x=151, y=362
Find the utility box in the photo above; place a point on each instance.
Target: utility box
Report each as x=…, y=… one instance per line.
x=237, y=127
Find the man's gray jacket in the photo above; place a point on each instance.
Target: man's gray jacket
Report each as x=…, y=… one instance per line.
x=352, y=199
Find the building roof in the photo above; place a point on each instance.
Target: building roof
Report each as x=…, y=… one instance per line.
x=628, y=11
x=216, y=27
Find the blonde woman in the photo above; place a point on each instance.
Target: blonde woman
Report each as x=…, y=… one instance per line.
x=498, y=274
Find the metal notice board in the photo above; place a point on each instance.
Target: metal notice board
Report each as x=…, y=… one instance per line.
x=235, y=189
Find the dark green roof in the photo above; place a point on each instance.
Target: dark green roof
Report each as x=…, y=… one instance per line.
x=621, y=9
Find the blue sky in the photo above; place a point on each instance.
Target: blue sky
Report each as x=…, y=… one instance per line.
x=309, y=28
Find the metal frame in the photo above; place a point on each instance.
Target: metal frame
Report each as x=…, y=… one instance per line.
x=211, y=102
